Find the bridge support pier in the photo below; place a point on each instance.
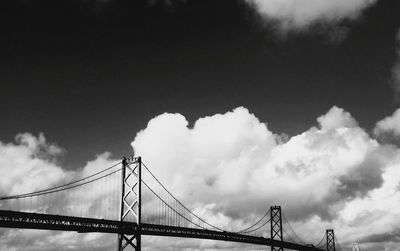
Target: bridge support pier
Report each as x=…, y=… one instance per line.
x=276, y=226
x=131, y=202
x=330, y=240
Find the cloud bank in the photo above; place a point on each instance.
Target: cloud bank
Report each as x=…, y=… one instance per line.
x=229, y=168
x=300, y=15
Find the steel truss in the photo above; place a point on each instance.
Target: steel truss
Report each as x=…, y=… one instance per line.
x=20, y=220
x=12, y=219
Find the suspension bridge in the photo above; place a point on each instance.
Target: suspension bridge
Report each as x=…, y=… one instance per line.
x=128, y=200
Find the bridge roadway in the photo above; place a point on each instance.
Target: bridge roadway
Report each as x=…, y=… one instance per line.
x=13, y=219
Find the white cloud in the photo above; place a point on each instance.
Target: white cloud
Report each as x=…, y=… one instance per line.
x=231, y=165
x=229, y=168
x=336, y=118
x=389, y=125
x=297, y=14
x=27, y=163
x=30, y=164
x=234, y=155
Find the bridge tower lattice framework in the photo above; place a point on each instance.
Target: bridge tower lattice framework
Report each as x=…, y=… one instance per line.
x=131, y=202
x=276, y=226
x=330, y=240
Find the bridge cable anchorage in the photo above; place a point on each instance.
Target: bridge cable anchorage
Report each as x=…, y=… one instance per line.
x=64, y=186
x=248, y=228
x=159, y=182
x=290, y=226
x=172, y=207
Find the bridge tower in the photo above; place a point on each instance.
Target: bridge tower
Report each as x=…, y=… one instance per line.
x=330, y=240
x=356, y=247
x=276, y=226
x=131, y=202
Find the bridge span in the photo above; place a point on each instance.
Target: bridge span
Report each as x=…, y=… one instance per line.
x=132, y=203
x=22, y=220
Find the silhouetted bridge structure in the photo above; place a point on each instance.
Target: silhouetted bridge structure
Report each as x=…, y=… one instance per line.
x=85, y=205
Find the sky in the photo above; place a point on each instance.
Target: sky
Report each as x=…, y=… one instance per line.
x=258, y=100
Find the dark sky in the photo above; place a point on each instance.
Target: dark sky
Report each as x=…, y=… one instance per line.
x=91, y=74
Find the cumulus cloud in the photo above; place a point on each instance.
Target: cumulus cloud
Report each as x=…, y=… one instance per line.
x=336, y=118
x=234, y=156
x=300, y=15
x=229, y=167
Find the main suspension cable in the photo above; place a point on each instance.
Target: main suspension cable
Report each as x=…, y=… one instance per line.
x=322, y=239
x=300, y=239
x=253, y=230
x=64, y=186
x=172, y=207
x=265, y=215
x=159, y=182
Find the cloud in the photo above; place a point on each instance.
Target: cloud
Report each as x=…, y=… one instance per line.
x=336, y=118
x=300, y=15
x=27, y=163
x=232, y=156
x=389, y=125
x=378, y=212
x=30, y=163
x=230, y=167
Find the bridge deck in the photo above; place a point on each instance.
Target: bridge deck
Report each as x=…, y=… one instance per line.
x=12, y=219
